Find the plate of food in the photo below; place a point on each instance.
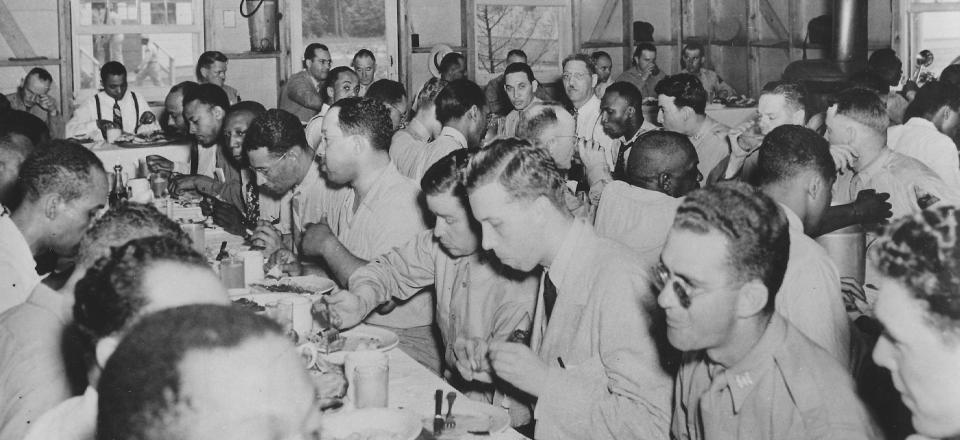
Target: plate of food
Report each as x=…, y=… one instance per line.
x=155, y=139
x=371, y=424
x=471, y=418
x=740, y=101
x=302, y=285
x=334, y=346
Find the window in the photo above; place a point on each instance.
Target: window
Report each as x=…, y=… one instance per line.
x=158, y=41
x=346, y=26
x=932, y=26
x=536, y=27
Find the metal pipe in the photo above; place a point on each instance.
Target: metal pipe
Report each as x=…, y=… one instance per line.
x=850, y=31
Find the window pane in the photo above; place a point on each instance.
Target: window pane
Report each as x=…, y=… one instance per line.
x=346, y=26
x=938, y=32
x=147, y=12
x=533, y=29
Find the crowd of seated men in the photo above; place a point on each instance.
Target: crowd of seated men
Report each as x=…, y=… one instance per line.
x=595, y=274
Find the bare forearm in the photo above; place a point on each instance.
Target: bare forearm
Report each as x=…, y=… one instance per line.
x=341, y=262
x=837, y=217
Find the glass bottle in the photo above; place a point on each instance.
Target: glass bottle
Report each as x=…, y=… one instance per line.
x=118, y=193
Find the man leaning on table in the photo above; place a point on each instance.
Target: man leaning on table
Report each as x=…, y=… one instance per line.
x=478, y=299
x=594, y=367
x=129, y=111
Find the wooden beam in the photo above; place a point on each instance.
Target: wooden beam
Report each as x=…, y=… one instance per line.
x=405, y=48
x=468, y=17
x=627, y=33
x=754, y=9
x=603, y=22
x=676, y=16
x=65, y=28
x=773, y=19
x=14, y=36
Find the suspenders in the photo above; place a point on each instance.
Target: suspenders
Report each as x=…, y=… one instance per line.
x=136, y=108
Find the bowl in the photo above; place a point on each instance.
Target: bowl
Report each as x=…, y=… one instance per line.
x=398, y=423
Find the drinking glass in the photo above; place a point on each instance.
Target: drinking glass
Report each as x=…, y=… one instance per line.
x=371, y=382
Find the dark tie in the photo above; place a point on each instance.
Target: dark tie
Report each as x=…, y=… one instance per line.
x=549, y=295
x=117, y=114
x=620, y=167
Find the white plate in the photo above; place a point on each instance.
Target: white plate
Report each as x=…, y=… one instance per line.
x=388, y=340
x=402, y=423
x=471, y=416
x=314, y=283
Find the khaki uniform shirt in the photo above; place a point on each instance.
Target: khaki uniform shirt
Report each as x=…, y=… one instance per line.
x=406, y=147
x=711, y=144
x=637, y=218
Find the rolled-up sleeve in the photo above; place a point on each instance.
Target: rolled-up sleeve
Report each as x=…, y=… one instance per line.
x=402, y=272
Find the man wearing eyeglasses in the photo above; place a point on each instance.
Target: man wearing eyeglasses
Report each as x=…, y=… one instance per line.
x=33, y=96
x=746, y=371
x=302, y=95
x=579, y=79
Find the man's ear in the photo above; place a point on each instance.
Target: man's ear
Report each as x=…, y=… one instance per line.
x=105, y=348
x=541, y=206
x=534, y=85
x=798, y=117
x=593, y=80
x=51, y=204
x=330, y=92
x=752, y=299
x=218, y=112
x=664, y=182
x=815, y=186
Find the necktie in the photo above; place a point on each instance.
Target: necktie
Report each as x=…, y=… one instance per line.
x=549, y=295
x=620, y=166
x=117, y=114
x=716, y=405
x=297, y=220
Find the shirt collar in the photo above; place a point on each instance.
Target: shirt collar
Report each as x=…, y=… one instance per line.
x=52, y=301
x=743, y=377
x=418, y=131
x=387, y=179
x=312, y=177
x=876, y=165
x=20, y=241
x=565, y=264
x=792, y=218
x=455, y=134
x=592, y=104
x=639, y=132
x=705, y=127
x=920, y=122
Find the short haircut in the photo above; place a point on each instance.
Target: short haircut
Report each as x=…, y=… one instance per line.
x=884, y=59
x=687, y=89
x=209, y=94
x=864, y=106
x=446, y=175
x=122, y=223
x=253, y=107
x=630, y=93
x=15, y=143
x=517, y=53
x=582, y=57
x=112, y=293
x=456, y=99
x=334, y=75
x=526, y=172
x=363, y=53
x=595, y=56
x=868, y=79
x=645, y=46
x=141, y=389
x=207, y=59
x=310, y=52
x=61, y=167
x=276, y=130
x=386, y=91
x=182, y=87
x=951, y=75
x=367, y=118
x=758, y=240
x=428, y=94
x=693, y=46
x=790, y=150
x=921, y=252
x=451, y=61
x=520, y=68
x=41, y=74
x=539, y=118
x=25, y=123
x=112, y=68
x=931, y=98
x=657, y=152
x=793, y=93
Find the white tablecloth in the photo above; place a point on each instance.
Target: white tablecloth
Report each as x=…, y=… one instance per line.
x=412, y=387
x=129, y=158
x=731, y=116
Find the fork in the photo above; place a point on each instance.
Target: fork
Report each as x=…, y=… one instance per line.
x=449, y=422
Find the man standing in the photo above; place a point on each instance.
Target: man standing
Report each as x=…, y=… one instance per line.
x=128, y=111
x=365, y=65
x=746, y=372
x=65, y=187
x=683, y=103
x=604, y=64
x=342, y=82
x=917, y=257
x=303, y=93
x=375, y=210
x=498, y=98
x=638, y=209
x=594, y=366
x=645, y=74
x=692, y=63
x=796, y=170
x=579, y=79
x=927, y=135
x=33, y=96
x=237, y=376
x=521, y=87
x=148, y=63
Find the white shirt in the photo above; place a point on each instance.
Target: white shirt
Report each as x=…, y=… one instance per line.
x=73, y=419
x=450, y=140
x=589, y=126
x=18, y=270
x=615, y=150
x=920, y=139
x=314, y=130
x=636, y=217
x=84, y=121
x=810, y=296
x=207, y=160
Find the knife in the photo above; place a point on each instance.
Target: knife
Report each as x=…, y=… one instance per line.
x=437, y=416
